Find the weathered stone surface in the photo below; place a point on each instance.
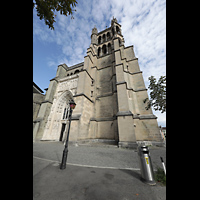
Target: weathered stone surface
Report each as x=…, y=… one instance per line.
x=109, y=90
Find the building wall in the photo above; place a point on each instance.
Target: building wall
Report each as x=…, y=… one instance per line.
x=37, y=100
x=109, y=90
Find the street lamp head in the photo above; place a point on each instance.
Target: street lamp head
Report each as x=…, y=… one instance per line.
x=72, y=104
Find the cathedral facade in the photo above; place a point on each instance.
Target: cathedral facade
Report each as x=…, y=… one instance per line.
x=108, y=89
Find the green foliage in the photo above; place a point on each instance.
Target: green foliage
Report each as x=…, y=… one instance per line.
x=46, y=8
x=157, y=94
x=160, y=176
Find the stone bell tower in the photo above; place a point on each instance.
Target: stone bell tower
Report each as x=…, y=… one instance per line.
x=135, y=123
x=118, y=91
x=108, y=89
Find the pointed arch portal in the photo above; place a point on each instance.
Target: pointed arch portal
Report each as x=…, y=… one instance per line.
x=57, y=120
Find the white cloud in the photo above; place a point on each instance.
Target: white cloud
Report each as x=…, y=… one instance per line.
x=144, y=26
x=161, y=118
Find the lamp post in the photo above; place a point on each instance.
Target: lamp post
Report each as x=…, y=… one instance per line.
x=72, y=105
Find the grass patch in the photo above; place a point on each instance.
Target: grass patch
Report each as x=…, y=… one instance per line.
x=160, y=176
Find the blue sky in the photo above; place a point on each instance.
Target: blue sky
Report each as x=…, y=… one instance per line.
x=143, y=25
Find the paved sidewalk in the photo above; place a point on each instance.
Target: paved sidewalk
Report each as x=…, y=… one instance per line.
x=92, y=183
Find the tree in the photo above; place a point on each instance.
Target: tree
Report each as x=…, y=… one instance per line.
x=158, y=94
x=46, y=8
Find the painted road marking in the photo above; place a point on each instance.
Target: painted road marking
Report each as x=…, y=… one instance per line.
x=133, y=169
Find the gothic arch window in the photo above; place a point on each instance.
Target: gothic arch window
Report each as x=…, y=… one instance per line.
x=66, y=112
x=99, y=50
x=117, y=29
x=108, y=36
x=104, y=37
x=99, y=40
x=113, y=32
x=109, y=48
x=104, y=49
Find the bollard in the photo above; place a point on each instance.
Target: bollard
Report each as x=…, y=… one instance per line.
x=163, y=164
x=146, y=167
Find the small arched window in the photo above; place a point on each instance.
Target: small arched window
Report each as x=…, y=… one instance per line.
x=108, y=36
x=118, y=30
x=104, y=37
x=76, y=72
x=113, y=32
x=99, y=40
x=109, y=48
x=99, y=50
x=104, y=49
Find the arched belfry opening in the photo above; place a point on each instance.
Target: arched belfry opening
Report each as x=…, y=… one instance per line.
x=118, y=30
x=109, y=48
x=99, y=40
x=99, y=51
x=104, y=49
x=104, y=37
x=57, y=120
x=113, y=31
x=108, y=36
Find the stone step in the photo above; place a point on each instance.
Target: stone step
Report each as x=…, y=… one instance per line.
x=98, y=142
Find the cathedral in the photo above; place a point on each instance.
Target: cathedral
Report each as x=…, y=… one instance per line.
x=109, y=92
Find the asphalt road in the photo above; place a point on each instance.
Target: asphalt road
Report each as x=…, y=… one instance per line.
x=96, y=181
x=97, y=156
